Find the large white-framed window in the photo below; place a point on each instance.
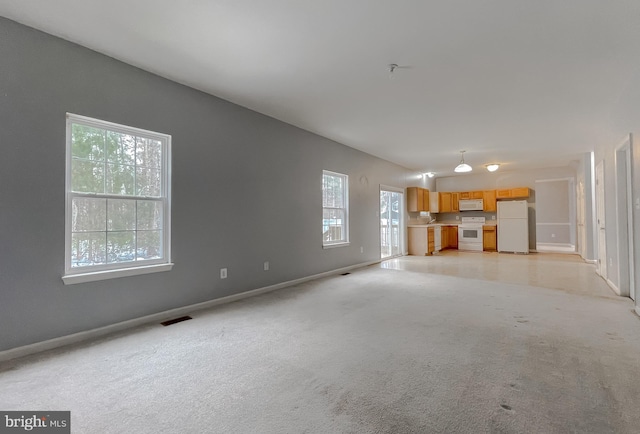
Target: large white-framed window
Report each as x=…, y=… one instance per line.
x=118, y=201
x=335, y=209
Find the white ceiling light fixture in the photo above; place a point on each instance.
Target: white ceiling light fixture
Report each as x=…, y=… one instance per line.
x=462, y=167
x=430, y=174
x=492, y=167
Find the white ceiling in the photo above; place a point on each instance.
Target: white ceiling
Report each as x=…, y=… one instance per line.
x=526, y=83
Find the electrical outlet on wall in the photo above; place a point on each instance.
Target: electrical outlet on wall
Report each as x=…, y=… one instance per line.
x=361, y=249
x=266, y=265
x=223, y=273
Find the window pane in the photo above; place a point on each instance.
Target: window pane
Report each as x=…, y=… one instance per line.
x=107, y=224
x=332, y=191
x=147, y=182
x=87, y=142
x=120, y=179
x=333, y=225
x=121, y=246
x=88, y=214
x=149, y=245
x=121, y=148
x=121, y=214
x=88, y=248
x=87, y=176
x=148, y=152
x=149, y=214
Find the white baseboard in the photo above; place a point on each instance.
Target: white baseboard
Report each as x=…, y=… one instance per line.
x=50, y=344
x=590, y=261
x=613, y=287
x=638, y=310
x=555, y=248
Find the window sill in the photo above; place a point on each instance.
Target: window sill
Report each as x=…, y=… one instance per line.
x=331, y=246
x=72, y=279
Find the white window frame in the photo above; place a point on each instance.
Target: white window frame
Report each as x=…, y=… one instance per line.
x=91, y=273
x=345, y=239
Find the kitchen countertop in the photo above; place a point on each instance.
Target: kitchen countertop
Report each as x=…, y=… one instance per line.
x=446, y=223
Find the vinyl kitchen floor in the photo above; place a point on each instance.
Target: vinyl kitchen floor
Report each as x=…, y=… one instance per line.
x=548, y=270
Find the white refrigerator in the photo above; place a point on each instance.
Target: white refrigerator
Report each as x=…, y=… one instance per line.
x=513, y=226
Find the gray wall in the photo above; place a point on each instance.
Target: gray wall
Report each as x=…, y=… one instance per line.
x=246, y=189
x=554, y=223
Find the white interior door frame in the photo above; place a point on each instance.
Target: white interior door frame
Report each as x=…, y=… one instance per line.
x=624, y=212
x=601, y=266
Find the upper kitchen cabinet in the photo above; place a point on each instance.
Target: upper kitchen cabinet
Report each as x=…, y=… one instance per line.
x=513, y=193
x=441, y=202
x=465, y=195
x=417, y=199
x=455, y=202
x=489, y=201
x=444, y=202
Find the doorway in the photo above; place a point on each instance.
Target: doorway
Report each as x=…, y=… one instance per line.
x=624, y=211
x=601, y=266
x=391, y=219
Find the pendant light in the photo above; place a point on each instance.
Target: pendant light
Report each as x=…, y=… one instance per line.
x=462, y=167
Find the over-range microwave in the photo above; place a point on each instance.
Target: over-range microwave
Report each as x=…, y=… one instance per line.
x=471, y=205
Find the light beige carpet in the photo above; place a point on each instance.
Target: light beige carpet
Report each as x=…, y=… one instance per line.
x=376, y=351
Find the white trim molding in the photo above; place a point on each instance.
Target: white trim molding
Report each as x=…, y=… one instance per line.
x=613, y=286
x=72, y=279
x=555, y=247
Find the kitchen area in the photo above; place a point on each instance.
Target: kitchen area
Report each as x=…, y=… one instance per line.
x=475, y=221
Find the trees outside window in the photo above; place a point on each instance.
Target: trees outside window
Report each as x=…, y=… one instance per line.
x=335, y=209
x=118, y=196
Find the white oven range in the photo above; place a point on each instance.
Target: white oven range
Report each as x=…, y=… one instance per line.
x=470, y=234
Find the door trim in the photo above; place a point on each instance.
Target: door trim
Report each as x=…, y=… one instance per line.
x=601, y=268
x=624, y=216
x=401, y=222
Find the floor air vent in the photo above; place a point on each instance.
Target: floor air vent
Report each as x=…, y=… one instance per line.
x=175, y=320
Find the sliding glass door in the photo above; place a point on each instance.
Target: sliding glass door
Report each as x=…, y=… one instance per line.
x=391, y=218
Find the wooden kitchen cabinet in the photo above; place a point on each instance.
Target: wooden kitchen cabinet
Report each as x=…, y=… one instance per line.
x=455, y=199
x=449, y=237
x=489, y=201
x=444, y=202
x=513, y=193
x=431, y=246
x=417, y=199
x=466, y=195
x=489, y=239
x=520, y=192
x=445, y=237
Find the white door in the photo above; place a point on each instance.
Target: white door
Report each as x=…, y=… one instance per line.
x=391, y=219
x=601, y=267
